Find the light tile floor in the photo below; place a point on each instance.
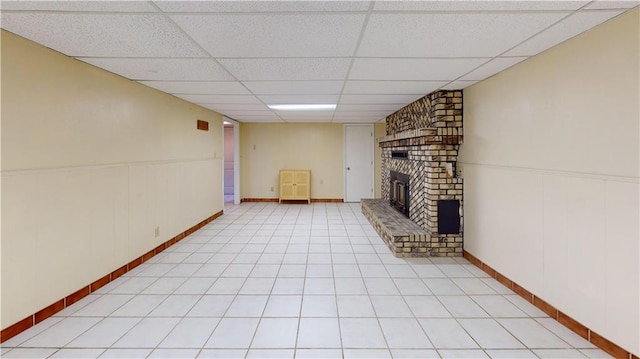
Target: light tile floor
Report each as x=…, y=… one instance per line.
x=304, y=281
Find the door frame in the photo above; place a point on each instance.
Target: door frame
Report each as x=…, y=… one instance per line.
x=236, y=159
x=344, y=159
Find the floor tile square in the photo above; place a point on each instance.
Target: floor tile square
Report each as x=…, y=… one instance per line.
x=319, y=306
x=211, y=306
x=414, y=353
x=148, y=333
x=390, y=306
x=195, y=286
x=462, y=306
x=381, y=286
x=190, y=333
x=367, y=353
x=232, y=333
x=361, y=333
x=257, y=286
x=288, y=286
x=61, y=333
x=283, y=306
x=355, y=306
x=126, y=353
x=404, y=333
x=447, y=334
x=319, y=333
x=319, y=286
x=426, y=307
x=276, y=333
x=532, y=334
x=347, y=286
x=104, y=333
x=489, y=334
x=247, y=306
x=226, y=286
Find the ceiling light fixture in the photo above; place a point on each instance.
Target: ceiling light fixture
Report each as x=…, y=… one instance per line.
x=303, y=107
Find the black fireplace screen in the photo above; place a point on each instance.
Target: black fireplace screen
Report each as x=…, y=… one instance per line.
x=399, y=192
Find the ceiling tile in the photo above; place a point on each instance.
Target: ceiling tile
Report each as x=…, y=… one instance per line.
x=356, y=120
x=220, y=99
x=252, y=114
x=277, y=35
x=288, y=69
x=258, y=120
x=294, y=87
x=378, y=99
x=362, y=114
x=451, y=35
x=611, y=4
x=371, y=107
x=84, y=6
x=458, y=85
x=305, y=115
x=477, y=5
x=199, y=87
x=392, y=87
x=162, y=69
x=412, y=69
x=236, y=107
x=492, y=67
x=570, y=27
x=299, y=99
x=261, y=6
x=103, y=35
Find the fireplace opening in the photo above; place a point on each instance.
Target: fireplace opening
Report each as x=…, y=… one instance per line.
x=399, y=192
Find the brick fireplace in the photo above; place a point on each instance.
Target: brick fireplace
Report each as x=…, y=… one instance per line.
x=420, y=151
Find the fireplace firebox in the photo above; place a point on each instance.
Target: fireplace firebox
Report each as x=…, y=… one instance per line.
x=399, y=192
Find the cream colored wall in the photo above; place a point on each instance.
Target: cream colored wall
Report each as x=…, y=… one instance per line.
x=379, y=130
x=92, y=163
x=551, y=175
x=267, y=148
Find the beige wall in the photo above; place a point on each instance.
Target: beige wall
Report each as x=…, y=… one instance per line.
x=267, y=148
x=91, y=164
x=379, y=130
x=551, y=172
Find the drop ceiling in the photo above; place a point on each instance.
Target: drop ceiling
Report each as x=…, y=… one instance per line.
x=368, y=57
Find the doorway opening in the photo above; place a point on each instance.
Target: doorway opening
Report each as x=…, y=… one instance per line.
x=231, y=165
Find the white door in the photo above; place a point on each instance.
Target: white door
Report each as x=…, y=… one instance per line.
x=358, y=160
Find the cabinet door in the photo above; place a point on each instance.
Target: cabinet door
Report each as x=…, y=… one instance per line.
x=302, y=184
x=287, y=188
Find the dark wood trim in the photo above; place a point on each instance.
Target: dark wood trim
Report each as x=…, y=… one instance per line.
x=77, y=295
x=48, y=311
x=119, y=272
x=26, y=323
x=100, y=282
x=259, y=200
x=313, y=200
x=572, y=324
x=15, y=329
x=607, y=345
x=545, y=307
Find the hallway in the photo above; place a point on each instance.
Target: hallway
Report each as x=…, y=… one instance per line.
x=304, y=281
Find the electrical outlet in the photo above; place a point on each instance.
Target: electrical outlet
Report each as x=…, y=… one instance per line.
x=157, y=232
x=271, y=189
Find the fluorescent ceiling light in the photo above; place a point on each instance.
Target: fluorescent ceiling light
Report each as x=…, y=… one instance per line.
x=303, y=107
x=227, y=122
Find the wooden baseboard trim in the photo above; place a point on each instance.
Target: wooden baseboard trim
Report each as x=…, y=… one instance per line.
x=48, y=311
x=572, y=324
x=276, y=200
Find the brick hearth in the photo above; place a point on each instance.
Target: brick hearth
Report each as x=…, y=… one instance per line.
x=429, y=132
